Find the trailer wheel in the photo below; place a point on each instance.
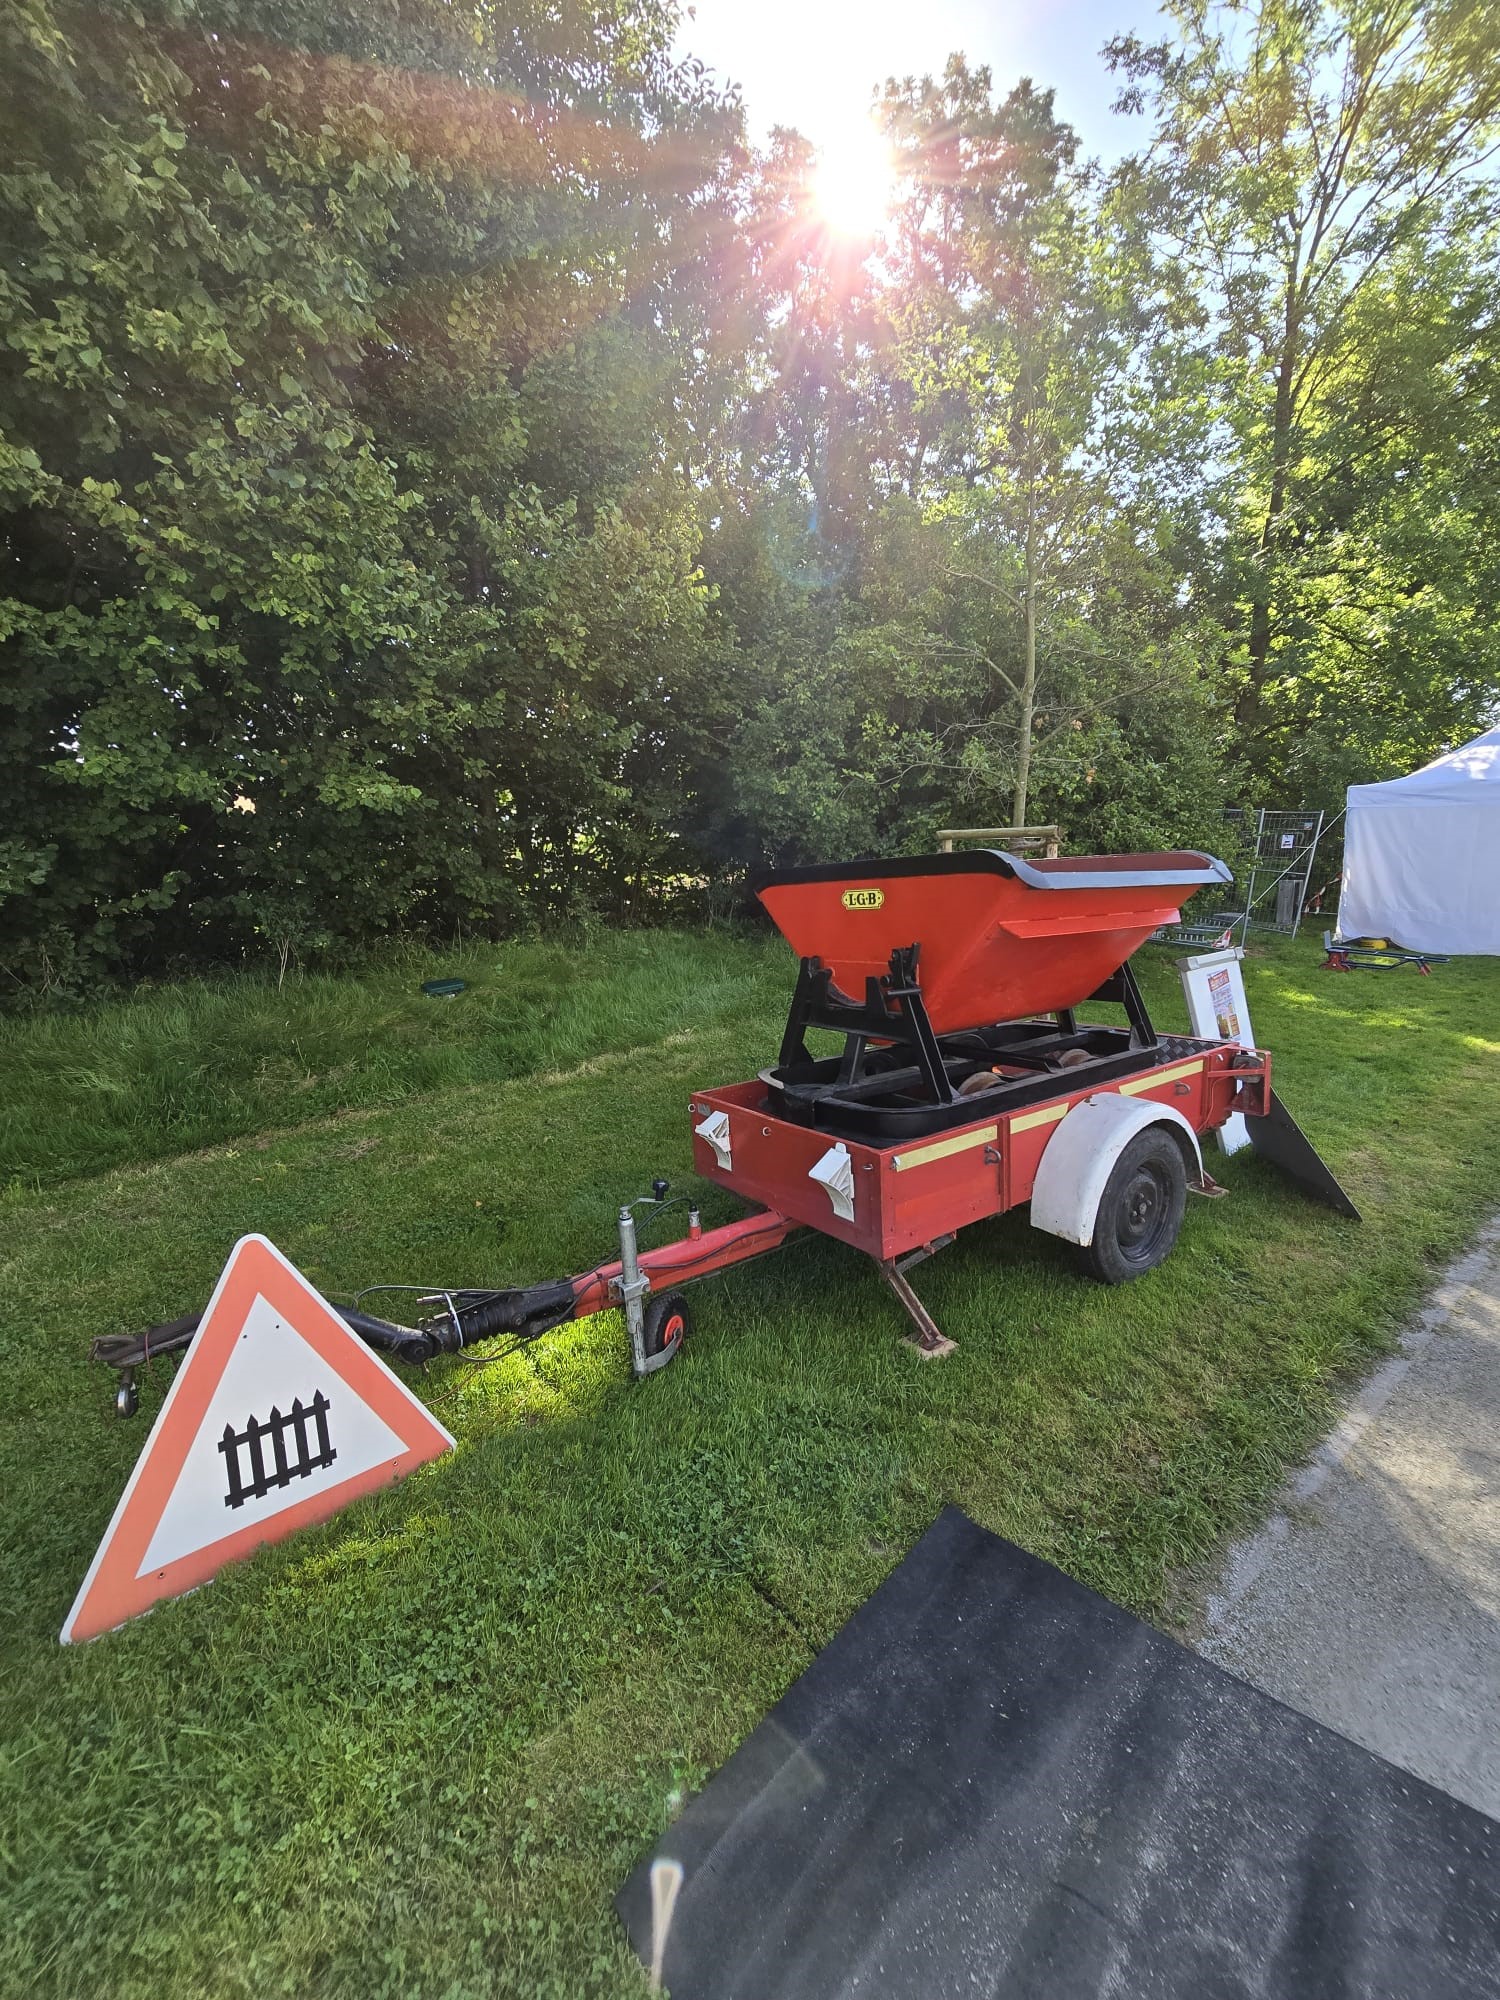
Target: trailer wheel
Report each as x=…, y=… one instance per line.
x=1140, y=1211
x=668, y=1319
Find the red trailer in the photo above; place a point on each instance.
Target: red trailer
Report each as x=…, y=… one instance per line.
x=965, y=1085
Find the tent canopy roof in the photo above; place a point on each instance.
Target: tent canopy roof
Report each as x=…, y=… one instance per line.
x=1458, y=774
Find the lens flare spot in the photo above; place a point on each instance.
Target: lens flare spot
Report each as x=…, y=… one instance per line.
x=854, y=182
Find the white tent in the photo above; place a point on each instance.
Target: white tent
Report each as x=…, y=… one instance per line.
x=1422, y=854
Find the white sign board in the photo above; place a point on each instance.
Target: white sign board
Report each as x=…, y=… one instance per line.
x=1214, y=988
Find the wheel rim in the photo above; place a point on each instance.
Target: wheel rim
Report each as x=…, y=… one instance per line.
x=1145, y=1212
x=664, y=1332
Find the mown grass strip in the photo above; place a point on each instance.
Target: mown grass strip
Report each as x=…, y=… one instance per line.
x=177, y=1067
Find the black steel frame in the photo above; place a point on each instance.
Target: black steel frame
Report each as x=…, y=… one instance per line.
x=839, y=1091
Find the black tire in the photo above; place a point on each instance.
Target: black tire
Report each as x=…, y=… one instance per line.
x=667, y=1319
x=1141, y=1209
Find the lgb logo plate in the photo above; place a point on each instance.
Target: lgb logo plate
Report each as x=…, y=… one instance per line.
x=863, y=899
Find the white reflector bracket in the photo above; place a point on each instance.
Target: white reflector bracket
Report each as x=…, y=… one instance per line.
x=715, y=1129
x=835, y=1173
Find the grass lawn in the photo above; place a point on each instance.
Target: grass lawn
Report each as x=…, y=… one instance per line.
x=413, y=1752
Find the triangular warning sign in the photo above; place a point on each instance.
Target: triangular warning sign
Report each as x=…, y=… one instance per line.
x=278, y=1417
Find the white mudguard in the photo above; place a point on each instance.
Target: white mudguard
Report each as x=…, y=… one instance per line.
x=1081, y=1155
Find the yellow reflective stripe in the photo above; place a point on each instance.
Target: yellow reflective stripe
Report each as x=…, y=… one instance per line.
x=1049, y=1116
x=1162, y=1076
x=941, y=1148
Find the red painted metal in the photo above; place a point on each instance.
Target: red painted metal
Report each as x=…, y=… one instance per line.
x=696, y=1256
x=907, y=1195
x=1001, y=938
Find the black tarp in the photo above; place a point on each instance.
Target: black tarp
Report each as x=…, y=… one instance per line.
x=994, y=1782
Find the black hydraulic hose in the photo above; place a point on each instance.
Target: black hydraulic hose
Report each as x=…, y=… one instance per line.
x=524, y=1312
x=409, y=1342
x=133, y=1350
x=129, y=1350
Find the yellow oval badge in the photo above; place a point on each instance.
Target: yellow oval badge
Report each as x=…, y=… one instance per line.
x=863, y=899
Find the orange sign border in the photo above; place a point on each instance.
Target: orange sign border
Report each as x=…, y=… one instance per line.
x=113, y=1592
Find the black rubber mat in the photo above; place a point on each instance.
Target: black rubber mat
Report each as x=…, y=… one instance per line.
x=994, y=1782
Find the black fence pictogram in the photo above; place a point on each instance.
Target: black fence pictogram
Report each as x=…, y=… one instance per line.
x=298, y=1445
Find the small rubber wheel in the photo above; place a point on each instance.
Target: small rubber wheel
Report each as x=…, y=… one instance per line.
x=127, y=1397
x=1141, y=1209
x=667, y=1319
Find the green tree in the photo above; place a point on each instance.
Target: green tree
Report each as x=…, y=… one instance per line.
x=1316, y=168
x=1035, y=331
x=345, y=547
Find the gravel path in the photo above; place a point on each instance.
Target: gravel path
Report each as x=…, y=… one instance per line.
x=1371, y=1599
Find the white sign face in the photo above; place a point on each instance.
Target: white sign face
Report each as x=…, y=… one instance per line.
x=1214, y=988
x=280, y=1426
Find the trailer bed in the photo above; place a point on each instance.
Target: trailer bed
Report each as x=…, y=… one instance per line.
x=906, y=1195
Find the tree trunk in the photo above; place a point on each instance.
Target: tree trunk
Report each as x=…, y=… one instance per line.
x=1028, y=668
x=1261, y=633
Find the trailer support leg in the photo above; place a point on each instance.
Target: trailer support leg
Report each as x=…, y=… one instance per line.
x=929, y=1340
x=631, y=1288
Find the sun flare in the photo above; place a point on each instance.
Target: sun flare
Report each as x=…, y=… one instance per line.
x=854, y=182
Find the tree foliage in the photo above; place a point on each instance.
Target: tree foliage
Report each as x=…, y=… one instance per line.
x=343, y=562
x=447, y=477
x=1319, y=168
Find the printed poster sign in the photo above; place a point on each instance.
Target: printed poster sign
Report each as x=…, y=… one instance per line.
x=1214, y=988
x=1221, y=999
